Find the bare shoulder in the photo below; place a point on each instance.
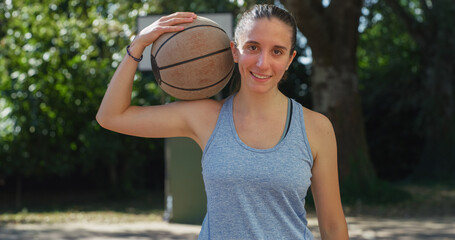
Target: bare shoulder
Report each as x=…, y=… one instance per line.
x=202, y=116
x=204, y=108
x=199, y=113
x=316, y=121
x=319, y=130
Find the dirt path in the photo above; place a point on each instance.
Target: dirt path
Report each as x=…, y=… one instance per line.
x=359, y=228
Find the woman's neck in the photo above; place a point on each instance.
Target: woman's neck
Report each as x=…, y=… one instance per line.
x=257, y=104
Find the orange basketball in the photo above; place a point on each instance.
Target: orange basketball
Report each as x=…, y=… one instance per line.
x=194, y=63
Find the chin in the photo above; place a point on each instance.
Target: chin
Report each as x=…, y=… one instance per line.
x=260, y=89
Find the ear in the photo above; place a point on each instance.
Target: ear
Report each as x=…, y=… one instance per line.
x=290, y=59
x=235, y=52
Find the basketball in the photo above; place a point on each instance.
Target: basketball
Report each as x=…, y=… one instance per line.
x=194, y=63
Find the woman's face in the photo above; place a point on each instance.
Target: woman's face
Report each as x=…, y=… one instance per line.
x=263, y=54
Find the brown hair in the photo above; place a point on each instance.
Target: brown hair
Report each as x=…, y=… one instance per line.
x=266, y=11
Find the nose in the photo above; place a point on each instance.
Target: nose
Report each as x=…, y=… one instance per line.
x=263, y=60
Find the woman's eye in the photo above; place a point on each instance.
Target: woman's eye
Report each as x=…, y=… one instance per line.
x=277, y=52
x=252, y=48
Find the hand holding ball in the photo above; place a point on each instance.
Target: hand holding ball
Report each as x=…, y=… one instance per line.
x=194, y=63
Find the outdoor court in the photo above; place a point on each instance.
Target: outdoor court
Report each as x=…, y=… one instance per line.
x=359, y=228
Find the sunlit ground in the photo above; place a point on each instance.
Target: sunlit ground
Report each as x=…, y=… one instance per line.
x=105, y=216
x=359, y=228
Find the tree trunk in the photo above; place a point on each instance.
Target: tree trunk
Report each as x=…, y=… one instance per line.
x=332, y=35
x=335, y=94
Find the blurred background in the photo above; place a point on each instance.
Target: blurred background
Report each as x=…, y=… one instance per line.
x=383, y=72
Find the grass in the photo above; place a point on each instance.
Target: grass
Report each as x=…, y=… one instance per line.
x=103, y=216
x=83, y=207
x=433, y=200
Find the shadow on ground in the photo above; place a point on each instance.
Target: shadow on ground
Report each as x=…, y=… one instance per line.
x=360, y=228
x=94, y=231
x=401, y=228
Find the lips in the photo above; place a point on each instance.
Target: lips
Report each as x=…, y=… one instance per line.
x=260, y=76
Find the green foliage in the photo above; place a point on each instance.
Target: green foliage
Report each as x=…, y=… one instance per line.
x=369, y=189
x=388, y=67
x=56, y=60
x=406, y=80
x=378, y=192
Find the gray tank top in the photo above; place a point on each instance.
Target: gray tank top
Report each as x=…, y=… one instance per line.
x=256, y=193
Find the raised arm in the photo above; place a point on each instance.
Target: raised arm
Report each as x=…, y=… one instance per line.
x=116, y=113
x=324, y=183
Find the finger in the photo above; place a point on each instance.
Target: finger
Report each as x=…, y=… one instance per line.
x=180, y=15
x=175, y=21
x=165, y=29
x=146, y=37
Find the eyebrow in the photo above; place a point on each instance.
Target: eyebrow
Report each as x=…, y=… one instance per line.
x=276, y=46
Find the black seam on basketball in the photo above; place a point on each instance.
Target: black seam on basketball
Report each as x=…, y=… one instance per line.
x=156, y=70
x=194, y=59
x=204, y=25
x=201, y=88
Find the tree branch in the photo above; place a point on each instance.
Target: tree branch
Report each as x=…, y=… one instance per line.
x=426, y=10
x=317, y=6
x=346, y=11
x=309, y=15
x=339, y=6
x=423, y=4
x=410, y=22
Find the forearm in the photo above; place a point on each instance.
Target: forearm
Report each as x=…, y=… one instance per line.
x=118, y=94
x=113, y=112
x=335, y=232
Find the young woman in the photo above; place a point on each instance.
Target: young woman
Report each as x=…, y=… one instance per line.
x=262, y=150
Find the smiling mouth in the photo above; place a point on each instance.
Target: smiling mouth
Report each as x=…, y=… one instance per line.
x=260, y=76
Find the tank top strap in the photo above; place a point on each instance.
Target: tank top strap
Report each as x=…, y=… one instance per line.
x=223, y=119
x=298, y=117
x=288, y=119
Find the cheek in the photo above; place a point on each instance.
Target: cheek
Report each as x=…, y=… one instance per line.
x=245, y=60
x=281, y=66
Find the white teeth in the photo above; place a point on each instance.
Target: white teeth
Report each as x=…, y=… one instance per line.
x=259, y=76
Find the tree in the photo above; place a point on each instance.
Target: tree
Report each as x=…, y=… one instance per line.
x=430, y=24
x=332, y=35
x=388, y=82
x=56, y=60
